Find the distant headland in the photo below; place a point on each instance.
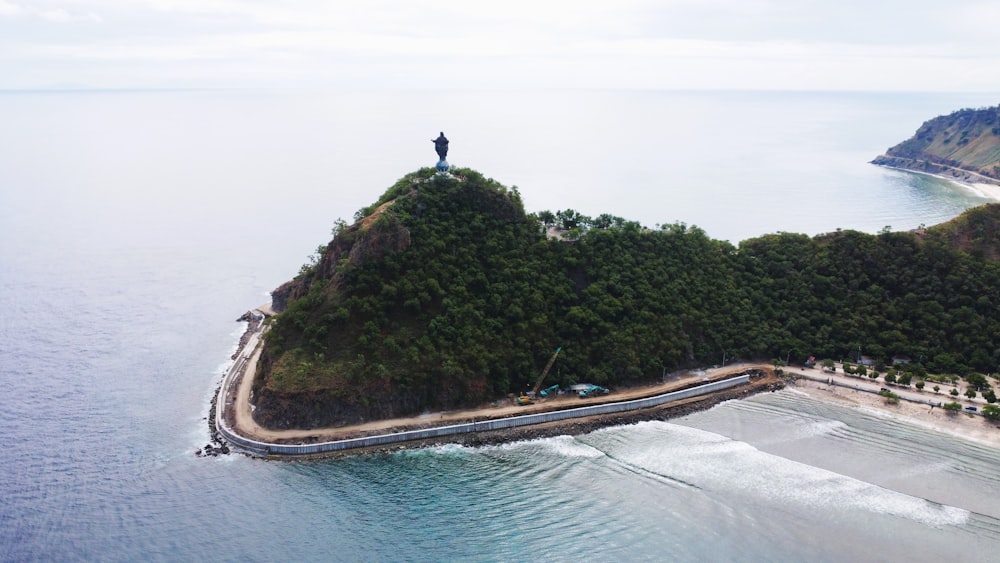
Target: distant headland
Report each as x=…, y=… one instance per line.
x=963, y=145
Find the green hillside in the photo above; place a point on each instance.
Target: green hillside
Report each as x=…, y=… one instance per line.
x=964, y=144
x=445, y=293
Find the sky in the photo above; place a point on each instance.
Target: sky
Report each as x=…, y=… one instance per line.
x=852, y=45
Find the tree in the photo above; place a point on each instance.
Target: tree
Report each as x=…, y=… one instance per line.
x=570, y=219
x=937, y=388
x=991, y=412
x=890, y=397
x=890, y=378
x=828, y=365
x=990, y=396
x=919, y=385
x=607, y=221
x=338, y=227
x=954, y=392
x=970, y=393
x=547, y=218
x=977, y=381
x=952, y=407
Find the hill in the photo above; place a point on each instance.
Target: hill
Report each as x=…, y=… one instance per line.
x=964, y=145
x=446, y=294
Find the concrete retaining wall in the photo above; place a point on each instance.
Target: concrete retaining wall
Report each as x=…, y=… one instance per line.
x=262, y=448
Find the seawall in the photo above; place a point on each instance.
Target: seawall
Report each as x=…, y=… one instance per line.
x=380, y=441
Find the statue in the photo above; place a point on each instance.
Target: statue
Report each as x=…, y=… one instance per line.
x=441, y=147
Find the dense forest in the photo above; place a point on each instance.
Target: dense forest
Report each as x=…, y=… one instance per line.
x=445, y=293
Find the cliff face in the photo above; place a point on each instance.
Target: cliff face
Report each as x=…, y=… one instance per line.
x=964, y=145
x=367, y=240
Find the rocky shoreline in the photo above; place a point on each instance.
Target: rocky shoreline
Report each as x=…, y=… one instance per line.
x=760, y=382
x=574, y=427
x=935, y=169
x=253, y=321
x=218, y=446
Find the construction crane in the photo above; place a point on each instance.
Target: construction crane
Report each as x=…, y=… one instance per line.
x=528, y=399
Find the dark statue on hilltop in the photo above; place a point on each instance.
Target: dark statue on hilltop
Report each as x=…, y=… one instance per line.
x=441, y=147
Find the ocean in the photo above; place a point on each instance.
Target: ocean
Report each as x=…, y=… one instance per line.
x=136, y=226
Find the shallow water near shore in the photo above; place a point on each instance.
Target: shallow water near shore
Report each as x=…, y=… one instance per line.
x=135, y=227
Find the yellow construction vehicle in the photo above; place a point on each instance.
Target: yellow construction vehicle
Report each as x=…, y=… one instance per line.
x=529, y=398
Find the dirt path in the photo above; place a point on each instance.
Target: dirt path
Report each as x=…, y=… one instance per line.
x=983, y=177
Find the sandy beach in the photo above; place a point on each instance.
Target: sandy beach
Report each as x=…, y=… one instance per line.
x=991, y=191
x=984, y=189
x=961, y=424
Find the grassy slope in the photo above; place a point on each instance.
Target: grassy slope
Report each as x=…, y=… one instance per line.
x=967, y=139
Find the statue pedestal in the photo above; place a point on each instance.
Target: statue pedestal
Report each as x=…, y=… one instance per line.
x=442, y=165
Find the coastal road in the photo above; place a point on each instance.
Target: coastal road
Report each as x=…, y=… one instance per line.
x=237, y=408
x=240, y=420
x=985, y=179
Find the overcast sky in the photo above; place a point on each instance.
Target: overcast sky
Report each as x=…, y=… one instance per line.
x=667, y=44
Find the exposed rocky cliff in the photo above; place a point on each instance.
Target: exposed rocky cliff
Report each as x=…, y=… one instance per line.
x=356, y=245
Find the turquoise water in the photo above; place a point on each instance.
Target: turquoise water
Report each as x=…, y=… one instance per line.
x=135, y=227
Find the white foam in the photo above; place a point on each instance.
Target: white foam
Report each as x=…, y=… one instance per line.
x=793, y=391
x=439, y=449
x=568, y=446
x=811, y=430
x=222, y=368
x=450, y=449
x=236, y=334
x=721, y=465
x=563, y=446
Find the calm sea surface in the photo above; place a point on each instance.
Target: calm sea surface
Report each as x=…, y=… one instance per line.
x=136, y=226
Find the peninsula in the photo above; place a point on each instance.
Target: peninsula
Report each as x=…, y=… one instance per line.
x=963, y=145
x=445, y=295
